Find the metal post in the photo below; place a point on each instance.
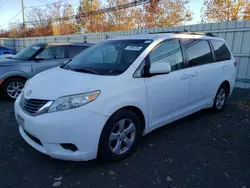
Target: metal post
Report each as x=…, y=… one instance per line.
x=24, y=27
x=91, y=4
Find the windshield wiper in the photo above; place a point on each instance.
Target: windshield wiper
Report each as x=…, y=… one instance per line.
x=86, y=70
x=65, y=65
x=68, y=61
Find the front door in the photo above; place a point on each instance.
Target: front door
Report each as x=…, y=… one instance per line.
x=167, y=94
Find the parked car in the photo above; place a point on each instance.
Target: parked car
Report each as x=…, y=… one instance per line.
x=101, y=102
x=4, y=50
x=15, y=70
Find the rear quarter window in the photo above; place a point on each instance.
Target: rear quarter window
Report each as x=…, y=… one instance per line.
x=221, y=51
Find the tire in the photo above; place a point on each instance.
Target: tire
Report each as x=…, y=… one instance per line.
x=220, y=98
x=9, y=84
x=108, y=149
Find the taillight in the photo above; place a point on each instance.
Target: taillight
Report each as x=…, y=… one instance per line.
x=235, y=64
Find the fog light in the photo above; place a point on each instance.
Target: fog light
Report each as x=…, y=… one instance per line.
x=70, y=147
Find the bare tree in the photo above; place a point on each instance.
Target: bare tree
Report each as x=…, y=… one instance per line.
x=91, y=23
x=167, y=13
x=55, y=19
x=40, y=23
x=15, y=31
x=63, y=18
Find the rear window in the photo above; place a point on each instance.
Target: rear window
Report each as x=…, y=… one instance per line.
x=221, y=51
x=72, y=51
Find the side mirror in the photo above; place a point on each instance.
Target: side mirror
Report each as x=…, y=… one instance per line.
x=160, y=68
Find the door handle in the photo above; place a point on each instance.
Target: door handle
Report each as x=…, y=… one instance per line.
x=224, y=66
x=184, y=76
x=195, y=74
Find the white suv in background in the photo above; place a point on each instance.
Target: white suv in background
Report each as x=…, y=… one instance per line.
x=102, y=101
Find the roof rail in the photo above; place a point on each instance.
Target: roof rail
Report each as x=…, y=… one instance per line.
x=184, y=32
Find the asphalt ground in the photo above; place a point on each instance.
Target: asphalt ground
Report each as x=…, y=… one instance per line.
x=202, y=150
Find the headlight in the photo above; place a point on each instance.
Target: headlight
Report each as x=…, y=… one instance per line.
x=73, y=101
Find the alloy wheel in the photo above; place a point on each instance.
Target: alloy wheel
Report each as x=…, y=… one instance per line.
x=14, y=89
x=220, y=98
x=122, y=136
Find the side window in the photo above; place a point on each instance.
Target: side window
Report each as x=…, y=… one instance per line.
x=72, y=51
x=52, y=52
x=221, y=51
x=198, y=52
x=168, y=52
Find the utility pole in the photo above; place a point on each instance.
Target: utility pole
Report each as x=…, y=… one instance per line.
x=24, y=26
x=91, y=10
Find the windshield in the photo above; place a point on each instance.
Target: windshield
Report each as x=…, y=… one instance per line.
x=108, y=58
x=28, y=52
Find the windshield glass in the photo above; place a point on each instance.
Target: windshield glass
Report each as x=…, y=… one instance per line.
x=28, y=52
x=108, y=58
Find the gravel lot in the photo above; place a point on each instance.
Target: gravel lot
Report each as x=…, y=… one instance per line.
x=202, y=150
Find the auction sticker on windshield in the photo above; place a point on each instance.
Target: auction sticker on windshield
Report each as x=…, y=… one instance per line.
x=133, y=48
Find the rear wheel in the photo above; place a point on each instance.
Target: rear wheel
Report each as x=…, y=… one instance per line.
x=120, y=136
x=12, y=88
x=220, y=99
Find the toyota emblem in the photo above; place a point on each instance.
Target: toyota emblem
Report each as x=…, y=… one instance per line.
x=28, y=93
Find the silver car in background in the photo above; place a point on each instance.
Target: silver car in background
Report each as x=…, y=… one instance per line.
x=16, y=69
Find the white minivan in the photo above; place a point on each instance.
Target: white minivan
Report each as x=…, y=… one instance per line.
x=103, y=100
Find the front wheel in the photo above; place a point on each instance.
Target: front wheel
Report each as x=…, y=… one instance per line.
x=12, y=88
x=120, y=136
x=220, y=99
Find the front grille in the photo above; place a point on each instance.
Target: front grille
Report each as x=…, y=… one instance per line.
x=31, y=106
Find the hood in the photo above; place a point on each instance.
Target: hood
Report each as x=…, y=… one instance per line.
x=6, y=60
x=58, y=82
x=6, y=55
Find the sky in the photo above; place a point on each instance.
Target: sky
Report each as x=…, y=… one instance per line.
x=10, y=10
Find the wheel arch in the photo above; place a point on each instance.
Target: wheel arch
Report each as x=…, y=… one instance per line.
x=138, y=112
x=4, y=84
x=227, y=85
x=12, y=77
x=14, y=74
x=10, y=74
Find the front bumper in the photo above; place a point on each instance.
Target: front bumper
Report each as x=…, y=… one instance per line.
x=47, y=132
